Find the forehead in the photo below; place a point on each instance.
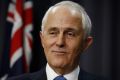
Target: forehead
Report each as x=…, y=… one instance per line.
x=63, y=17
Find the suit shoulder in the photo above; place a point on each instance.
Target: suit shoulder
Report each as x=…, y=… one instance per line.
x=29, y=76
x=89, y=76
x=20, y=77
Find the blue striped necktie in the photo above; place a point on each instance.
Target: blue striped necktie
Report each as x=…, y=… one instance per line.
x=60, y=78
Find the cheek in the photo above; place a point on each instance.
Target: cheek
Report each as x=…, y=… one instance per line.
x=48, y=45
x=75, y=48
x=74, y=53
x=47, y=42
x=73, y=45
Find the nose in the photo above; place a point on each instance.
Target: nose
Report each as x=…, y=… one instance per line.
x=60, y=41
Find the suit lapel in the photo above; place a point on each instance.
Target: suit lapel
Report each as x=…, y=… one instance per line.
x=40, y=75
x=83, y=75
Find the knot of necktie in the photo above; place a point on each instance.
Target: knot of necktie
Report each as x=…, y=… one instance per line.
x=60, y=78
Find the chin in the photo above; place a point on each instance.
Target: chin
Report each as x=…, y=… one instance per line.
x=58, y=64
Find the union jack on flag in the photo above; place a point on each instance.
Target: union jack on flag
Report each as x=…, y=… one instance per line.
x=19, y=57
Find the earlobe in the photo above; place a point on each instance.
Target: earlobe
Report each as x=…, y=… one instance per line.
x=88, y=42
x=40, y=34
x=41, y=37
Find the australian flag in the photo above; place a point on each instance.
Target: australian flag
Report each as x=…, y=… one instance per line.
x=17, y=53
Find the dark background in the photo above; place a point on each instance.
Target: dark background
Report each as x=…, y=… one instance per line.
x=102, y=58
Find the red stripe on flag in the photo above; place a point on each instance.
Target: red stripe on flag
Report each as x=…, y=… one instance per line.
x=28, y=16
x=10, y=15
x=19, y=7
x=16, y=41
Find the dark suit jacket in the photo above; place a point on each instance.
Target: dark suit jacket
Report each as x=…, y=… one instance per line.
x=41, y=75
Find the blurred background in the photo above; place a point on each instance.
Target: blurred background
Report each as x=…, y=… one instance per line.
x=21, y=51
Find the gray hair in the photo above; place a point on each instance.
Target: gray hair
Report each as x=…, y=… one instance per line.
x=86, y=22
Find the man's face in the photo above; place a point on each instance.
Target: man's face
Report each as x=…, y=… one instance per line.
x=62, y=39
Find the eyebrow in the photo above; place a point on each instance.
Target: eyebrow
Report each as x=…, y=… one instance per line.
x=71, y=29
x=66, y=29
x=52, y=29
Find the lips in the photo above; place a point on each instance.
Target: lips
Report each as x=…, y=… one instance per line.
x=59, y=51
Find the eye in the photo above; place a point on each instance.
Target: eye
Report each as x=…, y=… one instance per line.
x=52, y=33
x=70, y=34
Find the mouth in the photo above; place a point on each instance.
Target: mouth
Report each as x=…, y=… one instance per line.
x=59, y=52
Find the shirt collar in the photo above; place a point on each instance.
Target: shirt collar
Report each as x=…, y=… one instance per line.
x=70, y=76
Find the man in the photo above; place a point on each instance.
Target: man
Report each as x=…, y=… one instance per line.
x=65, y=34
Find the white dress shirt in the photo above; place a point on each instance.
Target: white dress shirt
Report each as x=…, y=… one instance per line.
x=51, y=74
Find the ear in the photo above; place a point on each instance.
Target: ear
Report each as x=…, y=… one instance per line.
x=42, y=38
x=88, y=42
